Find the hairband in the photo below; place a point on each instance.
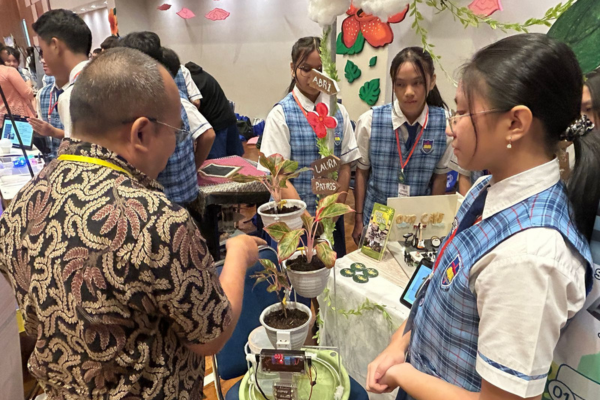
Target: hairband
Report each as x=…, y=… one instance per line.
x=581, y=127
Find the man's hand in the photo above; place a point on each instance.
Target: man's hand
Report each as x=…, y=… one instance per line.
x=358, y=228
x=244, y=248
x=41, y=126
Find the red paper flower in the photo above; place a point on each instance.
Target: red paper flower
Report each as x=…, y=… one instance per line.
x=485, y=7
x=376, y=33
x=320, y=120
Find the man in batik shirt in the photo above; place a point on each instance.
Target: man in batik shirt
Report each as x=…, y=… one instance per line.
x=113, y=278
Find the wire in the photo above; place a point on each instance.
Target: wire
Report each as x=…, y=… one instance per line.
x=257, y=385
x=310, y=382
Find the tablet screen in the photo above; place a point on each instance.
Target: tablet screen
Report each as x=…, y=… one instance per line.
x=25, y=130
x=410, y=293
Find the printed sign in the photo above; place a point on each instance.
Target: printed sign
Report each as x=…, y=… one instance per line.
x=378, y=231
x=325, y=166
x=323, y=83
x=324, y=186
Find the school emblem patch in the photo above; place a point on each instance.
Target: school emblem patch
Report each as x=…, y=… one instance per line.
x=451, y=271
x=427, y=147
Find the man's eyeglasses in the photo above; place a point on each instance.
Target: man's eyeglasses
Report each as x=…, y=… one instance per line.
x=180, y=134
x=453, y=118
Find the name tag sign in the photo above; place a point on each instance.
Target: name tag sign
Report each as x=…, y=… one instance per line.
x=324, y=186
x=325, y=166
x=323, y=83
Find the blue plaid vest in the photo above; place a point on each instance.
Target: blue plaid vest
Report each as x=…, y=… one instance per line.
x=180, y=82
x=303, y=142
x=385, y=162
x=47, y=98
x=446, y=322
x=179, y=177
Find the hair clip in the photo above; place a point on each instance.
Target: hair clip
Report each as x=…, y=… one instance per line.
x=581, y=127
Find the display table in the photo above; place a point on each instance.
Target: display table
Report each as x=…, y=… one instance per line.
x=363, y=337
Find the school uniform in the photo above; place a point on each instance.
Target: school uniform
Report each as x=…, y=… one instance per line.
x=287, y=132
x=47, y=110
x=473, y=175
x=64, y=100
x=503, y=287
x=380, y=132
x=192, y=89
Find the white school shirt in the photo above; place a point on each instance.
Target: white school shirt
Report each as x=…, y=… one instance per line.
x=198, y=124
x=276, y=136
x=192, y=89
x=64, y=100
x=363, y=136
x=527, y=288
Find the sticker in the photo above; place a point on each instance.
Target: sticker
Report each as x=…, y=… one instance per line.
x=360, y=278
x=451, y=272
x=358, y=267
x=372, y=273
x=347, y=272
x=427, y=147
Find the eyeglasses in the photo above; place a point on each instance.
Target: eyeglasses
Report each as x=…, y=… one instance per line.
x=452, y=119
x=180, y=134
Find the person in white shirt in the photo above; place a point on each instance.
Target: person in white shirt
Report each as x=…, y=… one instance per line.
x=193, y=92
x=517, y=265
x=288, y=133
x=65, y=42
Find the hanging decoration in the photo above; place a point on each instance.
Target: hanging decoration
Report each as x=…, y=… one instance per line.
x=218, y=14
x=112, y=20
x=578, y=27
x=375, y=32
x=370, y=91
x=373, y=61
x=355, y=49
x=325, y=12
x=352, y=72
x=186, y=13
x=164, y=7
x=485, y=8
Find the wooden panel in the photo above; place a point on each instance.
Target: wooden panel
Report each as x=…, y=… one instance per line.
x=10, y=21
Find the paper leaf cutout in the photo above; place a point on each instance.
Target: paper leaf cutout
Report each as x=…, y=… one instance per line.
x=164, y=7
x=358, y=46
x=369, y=92
x=485, y=8
x=352, y=71
x=218, y=14
x=373, y=62
x=186, y=13
x=578, y=27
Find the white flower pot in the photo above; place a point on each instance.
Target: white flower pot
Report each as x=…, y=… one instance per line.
x=308, y=284
x=297, y=335
x=292, y=220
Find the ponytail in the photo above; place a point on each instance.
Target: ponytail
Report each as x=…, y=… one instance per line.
x=434, y=98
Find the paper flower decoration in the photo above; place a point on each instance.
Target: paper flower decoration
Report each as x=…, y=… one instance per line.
x=164, y=7
x=485, y=7
x=375, y=32
x=186, y=13
x=113, y=21
x=218, y=14
x=320, y=120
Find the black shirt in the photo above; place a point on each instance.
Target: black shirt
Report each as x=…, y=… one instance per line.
x=214, y=104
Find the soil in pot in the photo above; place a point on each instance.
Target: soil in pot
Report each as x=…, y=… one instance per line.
x=283, y=210
x=301, y=264
x=294, y=319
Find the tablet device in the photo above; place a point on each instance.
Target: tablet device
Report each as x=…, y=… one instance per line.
x=25, y=130
x=218, y=171
x=419, y=277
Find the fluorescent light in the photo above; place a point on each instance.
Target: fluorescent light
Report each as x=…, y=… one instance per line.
x=93, y=6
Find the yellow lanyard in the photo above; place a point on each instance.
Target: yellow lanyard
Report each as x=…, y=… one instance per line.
x=92, y=160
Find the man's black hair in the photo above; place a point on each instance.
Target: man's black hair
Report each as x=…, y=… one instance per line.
x=146, y=42
x=171, y=61
x=67, y=27
x=109, y=42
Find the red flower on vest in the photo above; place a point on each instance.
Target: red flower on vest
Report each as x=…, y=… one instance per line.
x=320, y=120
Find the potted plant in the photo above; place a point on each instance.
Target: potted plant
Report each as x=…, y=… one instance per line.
x=285, y=317
x=309, y=265
x=280, y=171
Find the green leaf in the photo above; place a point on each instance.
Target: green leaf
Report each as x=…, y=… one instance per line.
x=298, y=172
x=269, y=265
x=268, y=163
x=289, y=244
x=579, y=27
x=332, y=198
x=308, y=221
x=334, y=210
x=369, y=92
x=239, y=178
x=277, y=230
x=373, y=61
x=272, y=288
x=356, y=48
x=326, y=254
x=287, y=167
x=328, y=229
x=352, y=71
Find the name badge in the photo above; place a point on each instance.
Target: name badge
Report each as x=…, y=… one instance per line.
x=403, y=190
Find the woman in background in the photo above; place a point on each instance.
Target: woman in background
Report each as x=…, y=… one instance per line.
x=19, y=94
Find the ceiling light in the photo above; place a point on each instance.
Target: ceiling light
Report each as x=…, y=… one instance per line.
x=93, y=6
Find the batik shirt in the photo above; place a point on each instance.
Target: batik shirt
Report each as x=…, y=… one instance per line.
x=113, y=279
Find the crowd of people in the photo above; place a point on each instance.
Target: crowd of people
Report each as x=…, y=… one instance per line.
x=108, y=264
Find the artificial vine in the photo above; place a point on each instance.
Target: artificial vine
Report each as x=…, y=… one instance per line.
x=367, y=305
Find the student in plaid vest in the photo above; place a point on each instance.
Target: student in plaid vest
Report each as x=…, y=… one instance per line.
x=517, y=266
x=287, y=132
x=402, y=144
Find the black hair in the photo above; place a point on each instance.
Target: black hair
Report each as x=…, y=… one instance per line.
x=13, y=52
x=146, y=42
x=97, y=51
x=31, y=55
x=424, y=64
x=542, y=74
x=592, y=81
x=67, y=27
x=171, y=61
x=300, y=52
x=109, y=42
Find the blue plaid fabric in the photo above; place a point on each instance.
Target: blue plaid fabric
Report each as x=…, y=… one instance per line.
x=48, y=80
x=48, y=96
x=446, y=322
x=385, y=161
x=179, y=177
x=595, y=241
x=180, y=82
x=303, y=141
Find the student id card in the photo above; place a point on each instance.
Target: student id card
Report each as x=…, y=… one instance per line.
x=403, y=190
